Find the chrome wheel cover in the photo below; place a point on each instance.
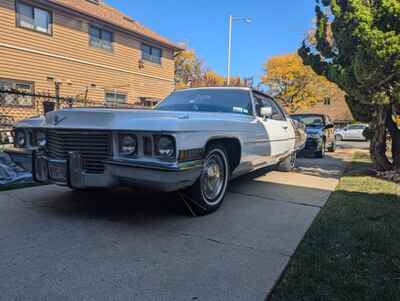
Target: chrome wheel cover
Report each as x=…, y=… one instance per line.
x=213, y=178
x=293, y=158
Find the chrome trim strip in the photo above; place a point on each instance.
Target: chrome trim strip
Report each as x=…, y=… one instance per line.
x=158, y=166
x=267, y=141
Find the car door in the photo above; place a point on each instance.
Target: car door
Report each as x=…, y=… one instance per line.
x=352, y=132
x=277, y=128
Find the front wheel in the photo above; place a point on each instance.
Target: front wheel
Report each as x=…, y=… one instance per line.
x=209, y=191
x=288, y=164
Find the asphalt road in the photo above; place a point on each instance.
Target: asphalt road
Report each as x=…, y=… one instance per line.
x=139, y=245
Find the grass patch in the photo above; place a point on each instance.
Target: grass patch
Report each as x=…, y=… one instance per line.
x=352, y=250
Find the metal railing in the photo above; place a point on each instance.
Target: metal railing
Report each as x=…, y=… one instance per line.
x=35, y=104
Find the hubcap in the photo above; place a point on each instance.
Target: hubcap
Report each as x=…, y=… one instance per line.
x=293, y=158
x=213, y=178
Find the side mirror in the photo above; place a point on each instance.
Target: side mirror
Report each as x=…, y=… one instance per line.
x=266, y=112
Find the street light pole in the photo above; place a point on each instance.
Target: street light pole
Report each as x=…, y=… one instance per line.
x=231, y=19
x=228, y=80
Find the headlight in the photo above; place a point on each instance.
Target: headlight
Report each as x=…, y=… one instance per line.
x=20, y=138
x=41, y=139
x=128, y=144
x=165, y=146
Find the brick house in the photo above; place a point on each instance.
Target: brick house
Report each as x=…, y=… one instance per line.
x=79, y=48
x=335, y=107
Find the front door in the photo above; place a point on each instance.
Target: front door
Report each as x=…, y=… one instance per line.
x=352, y=132
x=278, y=129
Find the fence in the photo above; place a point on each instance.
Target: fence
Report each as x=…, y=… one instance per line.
x=19, y=104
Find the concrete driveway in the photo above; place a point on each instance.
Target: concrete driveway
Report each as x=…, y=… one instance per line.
x=135, y=245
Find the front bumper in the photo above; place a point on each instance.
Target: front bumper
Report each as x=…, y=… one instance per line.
x=69, y=172
x=313, y=145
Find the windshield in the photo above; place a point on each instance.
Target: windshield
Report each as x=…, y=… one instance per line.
x=208, y=100
x=310, y=120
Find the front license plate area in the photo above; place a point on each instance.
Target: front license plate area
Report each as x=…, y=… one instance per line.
x=58, y=171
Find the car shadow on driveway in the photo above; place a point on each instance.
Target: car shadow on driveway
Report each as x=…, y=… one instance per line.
x=119, y=204
x=257, y=215
x=306, y=186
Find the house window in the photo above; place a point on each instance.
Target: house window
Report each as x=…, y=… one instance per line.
x=115, y=98
x=100, y=38
x=33, y=18
x=152, y=54
x=149, y=102
x=327, y=101
x=13, y=93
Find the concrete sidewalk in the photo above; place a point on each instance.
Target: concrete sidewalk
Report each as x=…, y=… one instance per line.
x=124, y=244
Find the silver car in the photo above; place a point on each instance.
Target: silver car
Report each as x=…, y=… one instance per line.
x=195, y=142
x=351, y=132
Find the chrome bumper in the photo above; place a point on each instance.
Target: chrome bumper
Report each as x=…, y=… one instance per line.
x=168, y=177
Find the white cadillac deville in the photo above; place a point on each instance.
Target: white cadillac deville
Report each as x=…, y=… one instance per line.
x=195, y=141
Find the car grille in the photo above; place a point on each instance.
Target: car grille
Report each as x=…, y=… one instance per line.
x=93, y=146
x=312, y=143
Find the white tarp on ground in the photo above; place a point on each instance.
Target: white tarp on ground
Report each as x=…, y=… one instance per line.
x=11, y=173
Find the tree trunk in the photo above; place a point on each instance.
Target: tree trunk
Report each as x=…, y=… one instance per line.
x=378, y=146
x=396, y=149
x=395, y=134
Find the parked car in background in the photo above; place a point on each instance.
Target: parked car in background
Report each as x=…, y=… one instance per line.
x=195, y=141
x=351, y=132
x=320, y=134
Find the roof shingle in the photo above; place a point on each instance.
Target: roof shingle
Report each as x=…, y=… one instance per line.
x=109, y=14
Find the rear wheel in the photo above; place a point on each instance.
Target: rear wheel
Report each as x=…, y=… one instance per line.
x=209, y=191
x=288, y=164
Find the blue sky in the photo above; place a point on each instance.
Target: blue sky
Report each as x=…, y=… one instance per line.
x=278, y=27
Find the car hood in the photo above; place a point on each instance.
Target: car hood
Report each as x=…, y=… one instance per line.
x=138, y=120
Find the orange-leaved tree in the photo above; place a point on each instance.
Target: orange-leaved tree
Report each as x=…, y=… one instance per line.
x=190, y=72
x=188, y=69
x=296, y=85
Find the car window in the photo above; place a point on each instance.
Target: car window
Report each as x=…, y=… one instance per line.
x=310, y=120
x=356, y=127
x=209, y=100
x=263, y=101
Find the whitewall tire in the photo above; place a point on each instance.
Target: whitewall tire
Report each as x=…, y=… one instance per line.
x=209, y=191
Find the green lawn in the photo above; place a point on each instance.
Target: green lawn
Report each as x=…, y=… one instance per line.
x=352, y=250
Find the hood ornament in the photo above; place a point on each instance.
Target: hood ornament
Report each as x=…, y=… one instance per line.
x=58, y=119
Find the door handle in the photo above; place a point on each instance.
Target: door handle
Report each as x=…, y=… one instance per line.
x=285, y=128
